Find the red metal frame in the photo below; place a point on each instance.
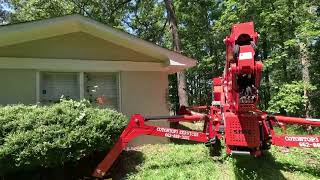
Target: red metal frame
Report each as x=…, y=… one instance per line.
x=137, y=127
x=233, y=113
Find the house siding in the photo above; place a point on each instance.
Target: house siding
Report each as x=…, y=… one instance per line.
x=140, y=92
x=17, y=86
x=79, y=45
x=145, y=93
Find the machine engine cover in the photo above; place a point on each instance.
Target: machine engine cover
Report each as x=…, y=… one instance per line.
x=242, y=130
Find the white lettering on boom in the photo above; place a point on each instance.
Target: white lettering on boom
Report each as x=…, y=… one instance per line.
x=301, y=139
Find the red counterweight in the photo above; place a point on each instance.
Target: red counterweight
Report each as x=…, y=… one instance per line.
x=233, y=115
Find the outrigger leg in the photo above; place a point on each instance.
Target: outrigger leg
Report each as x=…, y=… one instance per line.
x=137, y=127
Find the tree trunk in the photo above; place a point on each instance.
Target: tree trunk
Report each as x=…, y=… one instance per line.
x=284, y=60
x=181, y=76
x=267, y=90
x=264, y=57
x=305, y=62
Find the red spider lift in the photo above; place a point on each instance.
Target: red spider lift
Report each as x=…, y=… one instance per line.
x=233, y=115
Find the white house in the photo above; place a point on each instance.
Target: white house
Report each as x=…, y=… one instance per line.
x=81, y=58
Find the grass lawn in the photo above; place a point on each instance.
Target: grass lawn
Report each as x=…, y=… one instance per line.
x=193, y=161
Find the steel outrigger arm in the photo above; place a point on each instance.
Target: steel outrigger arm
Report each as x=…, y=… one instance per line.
x=307, y=141
x=137, y=127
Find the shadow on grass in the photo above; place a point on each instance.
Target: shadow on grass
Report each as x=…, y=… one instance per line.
x=82, y=170
x=126, y=164
x=266, y=167
x=315, y=171
x=249, y=167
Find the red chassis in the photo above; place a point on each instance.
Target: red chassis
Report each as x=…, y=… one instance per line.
x=233, y=114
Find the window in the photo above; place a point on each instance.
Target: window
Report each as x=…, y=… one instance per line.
x=55, y=85
x=101, y=89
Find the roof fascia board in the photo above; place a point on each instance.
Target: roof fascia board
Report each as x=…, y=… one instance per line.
x=74, y=65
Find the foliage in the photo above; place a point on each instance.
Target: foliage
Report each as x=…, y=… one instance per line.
x=147, y=20
x=110, y=11
x=290, y=98
x=50, y=136
x=4, y=12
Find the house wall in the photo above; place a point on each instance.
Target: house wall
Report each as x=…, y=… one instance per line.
x=87, y=47
x=17, y=86
x=145, y=93
x=141, y=92
x=143, y=79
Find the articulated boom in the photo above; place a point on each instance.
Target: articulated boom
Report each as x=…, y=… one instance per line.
x=233, y=115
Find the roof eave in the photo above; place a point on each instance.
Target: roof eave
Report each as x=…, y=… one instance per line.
x=19, y=33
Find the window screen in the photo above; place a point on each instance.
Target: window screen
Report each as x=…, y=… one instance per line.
x=101, y=89
x=55, y=85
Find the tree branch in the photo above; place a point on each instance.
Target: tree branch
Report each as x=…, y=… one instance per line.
x=81, y=7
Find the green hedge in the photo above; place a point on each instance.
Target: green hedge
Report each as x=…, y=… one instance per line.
x=50, y=136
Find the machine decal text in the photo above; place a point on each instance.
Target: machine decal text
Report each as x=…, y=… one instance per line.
x=177, y=133
x=302, y=139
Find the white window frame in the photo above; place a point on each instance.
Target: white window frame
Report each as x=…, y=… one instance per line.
x=38, y=87
x=119, y=92
x=81, y=85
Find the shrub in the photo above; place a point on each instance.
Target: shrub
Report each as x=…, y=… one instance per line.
x=50, y=136
x=290, y=98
